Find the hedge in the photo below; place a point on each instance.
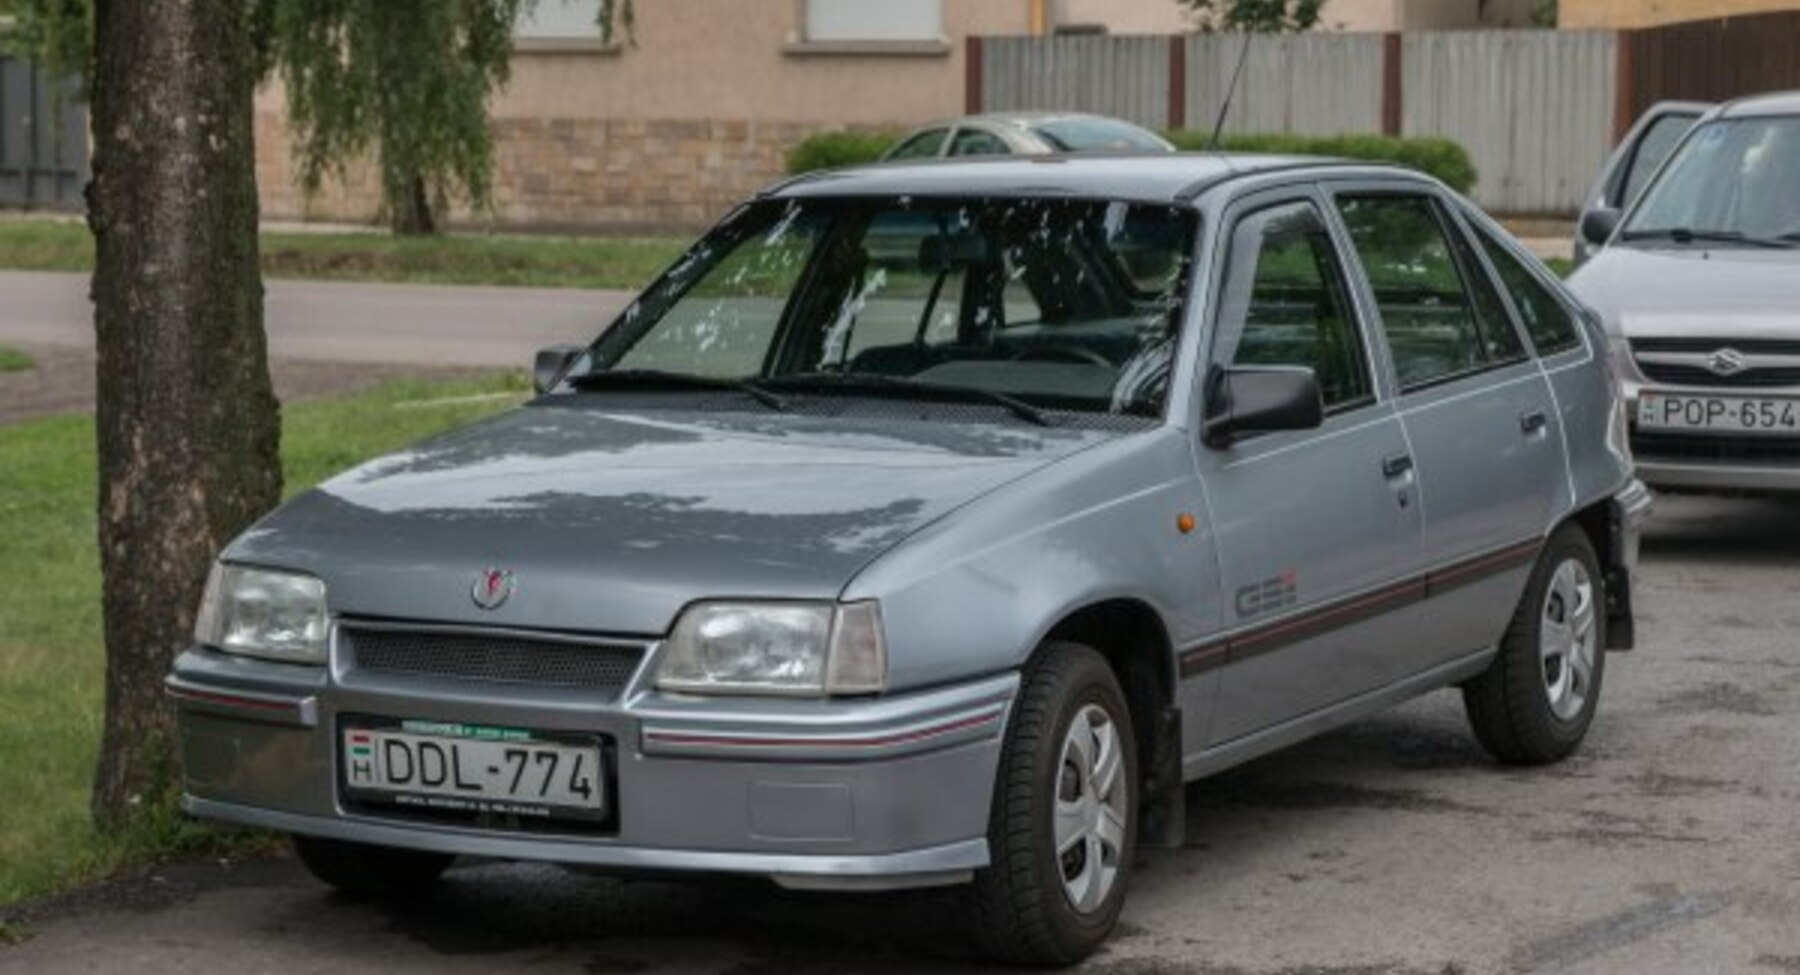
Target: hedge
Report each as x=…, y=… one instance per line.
x=1442, y=158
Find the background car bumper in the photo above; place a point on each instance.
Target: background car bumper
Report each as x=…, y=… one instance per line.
x=1718, y=477
x=874, y=794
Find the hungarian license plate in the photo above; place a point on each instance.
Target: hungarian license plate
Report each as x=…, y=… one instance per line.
x=1721, y=414
x=446, y=767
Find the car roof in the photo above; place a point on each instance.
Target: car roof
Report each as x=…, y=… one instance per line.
x=1151, y=178
x=1773, y=103
x=1027, y=119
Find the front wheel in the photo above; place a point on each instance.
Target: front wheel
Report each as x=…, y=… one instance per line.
x=1534, y=703
x=1063, y=825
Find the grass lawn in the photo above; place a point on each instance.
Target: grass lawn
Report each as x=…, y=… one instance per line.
x=549, y=262
x=12, y=360
x=51, y=662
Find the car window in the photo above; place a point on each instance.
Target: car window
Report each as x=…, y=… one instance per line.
x=1085, y=134
x=1499, y=336
x=1286, y=303
x=723, y=323
x=1652, y=148
x=1732, y=177
x=975, y=142
x=1066, y=304
x=925, y=145
x=1431, y=320
x=1548, y=320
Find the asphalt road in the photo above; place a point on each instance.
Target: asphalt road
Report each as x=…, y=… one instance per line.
x=400, y=324
x=1669, y=844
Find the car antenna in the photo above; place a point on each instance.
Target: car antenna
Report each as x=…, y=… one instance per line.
x=1218, y=131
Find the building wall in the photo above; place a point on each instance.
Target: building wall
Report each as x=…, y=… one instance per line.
x=1576, y=14
x=671, y=130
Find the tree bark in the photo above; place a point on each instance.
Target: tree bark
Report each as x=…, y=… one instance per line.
x=187, y=423
x=412, y=217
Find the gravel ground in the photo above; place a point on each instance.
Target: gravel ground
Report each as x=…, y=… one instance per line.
x=63, y=381
x=1669, y=844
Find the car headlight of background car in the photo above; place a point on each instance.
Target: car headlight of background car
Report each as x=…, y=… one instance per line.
x=800, y=649
x=263, y=613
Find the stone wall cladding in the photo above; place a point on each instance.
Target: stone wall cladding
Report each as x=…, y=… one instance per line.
x=625, y=175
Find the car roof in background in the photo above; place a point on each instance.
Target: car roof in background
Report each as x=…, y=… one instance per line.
x=1774, y=103
x=1160, y=178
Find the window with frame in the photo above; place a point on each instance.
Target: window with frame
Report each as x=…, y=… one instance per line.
x=976, y=142
x=1441, y=317
x=896, y=21
x=1286, y=303
x=567, y=20
x=1549, y=321
x=925, y=145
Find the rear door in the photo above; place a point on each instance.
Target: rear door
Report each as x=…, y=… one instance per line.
x=1636, y=158
x=1318, y=531
x=1479, y=415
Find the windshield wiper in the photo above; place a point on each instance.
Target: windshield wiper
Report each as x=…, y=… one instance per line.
x=662, y=379
x=863, y=382
x=1688, y=235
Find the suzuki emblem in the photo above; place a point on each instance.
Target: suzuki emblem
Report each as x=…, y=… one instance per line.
x=1727, y=362
x=492, y=588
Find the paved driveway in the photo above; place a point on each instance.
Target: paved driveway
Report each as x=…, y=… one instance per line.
x=1669, y=845
x=424, y=325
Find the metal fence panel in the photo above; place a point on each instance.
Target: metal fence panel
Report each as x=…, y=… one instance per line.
x=43, y=140
x=1534, y=109
x=1305, y=84
x=1122, y=76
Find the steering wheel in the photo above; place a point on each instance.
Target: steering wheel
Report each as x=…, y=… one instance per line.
x=1063, y=352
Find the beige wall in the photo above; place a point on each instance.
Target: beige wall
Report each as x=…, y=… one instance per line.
x=1125, y=16
x=1391, y=15
x=1575, y=14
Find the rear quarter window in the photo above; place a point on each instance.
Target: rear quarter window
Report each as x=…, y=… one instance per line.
x=1547, y=318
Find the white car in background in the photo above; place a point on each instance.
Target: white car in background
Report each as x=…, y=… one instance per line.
x=1026, y=134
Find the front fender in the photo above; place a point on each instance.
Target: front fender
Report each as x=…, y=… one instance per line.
x=978, y=591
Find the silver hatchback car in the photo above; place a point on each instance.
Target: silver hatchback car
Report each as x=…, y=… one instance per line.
x=932, y=526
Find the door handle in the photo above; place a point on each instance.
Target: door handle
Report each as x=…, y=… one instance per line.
x=1396, y=466
x=1533, y=422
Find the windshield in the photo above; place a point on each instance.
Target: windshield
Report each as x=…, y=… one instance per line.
x=1058, y=304
x=1098, y=135
x=1731, y=178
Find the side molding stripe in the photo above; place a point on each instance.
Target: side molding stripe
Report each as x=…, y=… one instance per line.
x=1324, y=619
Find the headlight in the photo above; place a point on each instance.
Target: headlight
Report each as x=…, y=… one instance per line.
x=262, y=613
x=801, y=649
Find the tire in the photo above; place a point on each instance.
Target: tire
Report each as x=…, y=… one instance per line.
x=1530, y=707
x=362, y=870
x=1032, y=905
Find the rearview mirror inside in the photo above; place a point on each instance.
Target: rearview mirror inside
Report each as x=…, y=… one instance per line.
x=1261, y=399
x=548, y=368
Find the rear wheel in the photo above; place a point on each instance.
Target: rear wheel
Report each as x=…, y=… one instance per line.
x=370, y=871
x=1063, y=825
x=1535, y=702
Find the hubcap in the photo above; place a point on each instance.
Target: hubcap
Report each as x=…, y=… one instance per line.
x=1091, y=797
x=1567, y=639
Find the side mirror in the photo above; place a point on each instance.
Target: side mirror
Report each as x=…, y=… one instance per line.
x=550, y=365
x=1261, y=399
x=1598, y=224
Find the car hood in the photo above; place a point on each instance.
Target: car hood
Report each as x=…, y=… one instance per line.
x=612, y=522
x=1727, y=292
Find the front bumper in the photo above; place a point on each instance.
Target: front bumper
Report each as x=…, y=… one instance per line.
x=883, y=793
x=1712, y=463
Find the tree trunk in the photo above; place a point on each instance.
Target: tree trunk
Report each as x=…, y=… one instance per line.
x=187, y=422
x=412, y=215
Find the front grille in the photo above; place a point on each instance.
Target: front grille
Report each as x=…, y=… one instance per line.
x=1697, y=374
x=495, y=658
x=1764, y=451
x=1665, y=372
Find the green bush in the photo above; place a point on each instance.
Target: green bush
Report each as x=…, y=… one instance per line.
x=1442, y=158
x=830, y=150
